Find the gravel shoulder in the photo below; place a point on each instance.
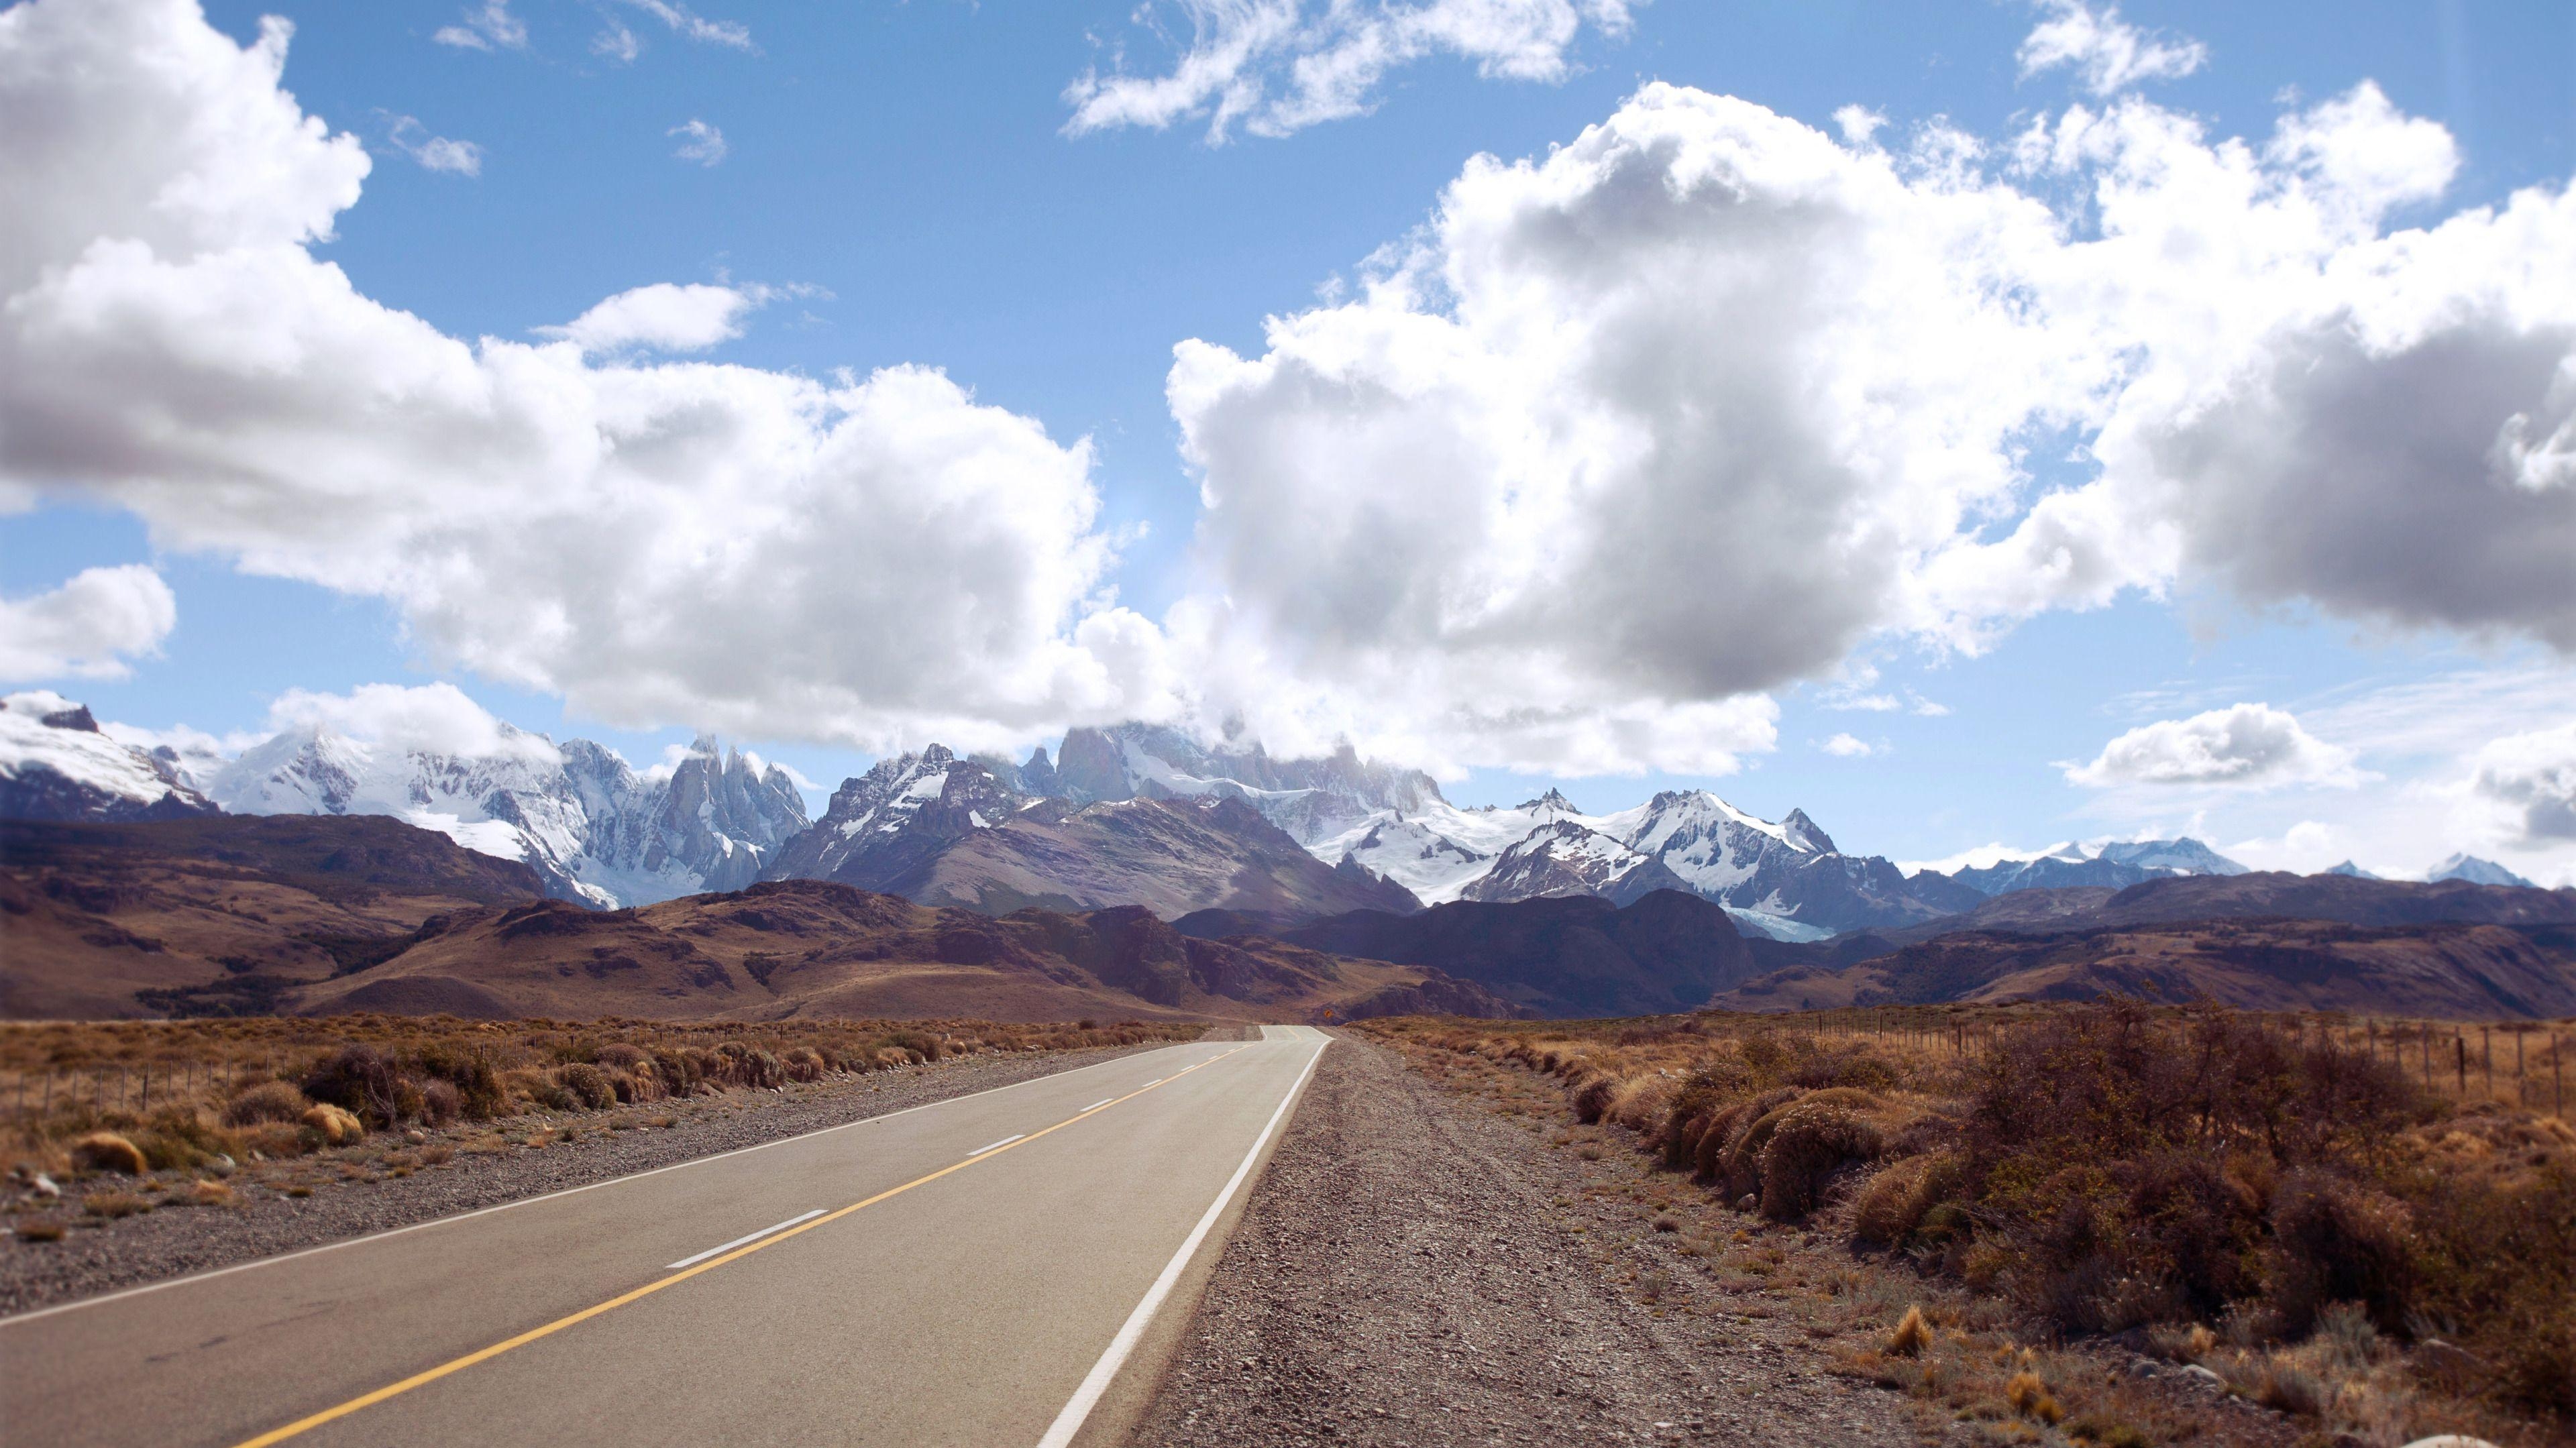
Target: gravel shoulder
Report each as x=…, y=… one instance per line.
x=390, y=1182
x=1415, y=1270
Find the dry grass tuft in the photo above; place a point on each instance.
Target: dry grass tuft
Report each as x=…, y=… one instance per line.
x=107, y=1151
x=1912, y=1335
x=38, y=1229
x=112, y=1205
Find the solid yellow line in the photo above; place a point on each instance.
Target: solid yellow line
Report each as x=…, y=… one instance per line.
x=392, y=1390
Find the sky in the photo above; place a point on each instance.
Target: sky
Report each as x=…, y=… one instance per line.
x=1980, y=425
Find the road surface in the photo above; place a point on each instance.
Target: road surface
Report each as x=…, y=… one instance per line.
x=969, y=1272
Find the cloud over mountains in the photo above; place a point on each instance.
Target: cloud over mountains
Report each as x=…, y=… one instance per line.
x=1629, y=435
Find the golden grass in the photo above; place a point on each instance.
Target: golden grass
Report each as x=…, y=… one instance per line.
x=2255, y=1193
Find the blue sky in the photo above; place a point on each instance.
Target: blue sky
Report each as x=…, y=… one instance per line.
x=901, y=180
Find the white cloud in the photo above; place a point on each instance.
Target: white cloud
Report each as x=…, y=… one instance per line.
x=2532, y=779
x=428, y=718
x=664, y=317
x=617, y=41
x=1847, y=746
x=1704, y=401
x=435, y=153
x=89, y=627
x=486, y=27
x=1278, y=66
x=2245, y=745
x=869, y=560
x=2108, y=53
x=704, y=144
x=689, y=25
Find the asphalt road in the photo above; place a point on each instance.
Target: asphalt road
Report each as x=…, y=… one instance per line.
x=967, y=1272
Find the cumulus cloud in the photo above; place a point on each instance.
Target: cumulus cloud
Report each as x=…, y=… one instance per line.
x=2106, y=52
x=1848, y=746
x=2253, y=745
x=700, y=142
x=1703, y=401
x=870, y=560
x=87, y=629
x=2532, y=779
x=487, y=26
x=1278, y=66
x=664, y=317
x=434, y=153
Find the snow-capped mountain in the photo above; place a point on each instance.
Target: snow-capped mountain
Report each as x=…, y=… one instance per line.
x=949, y=831
x=1564, y=858
x=2475, y=871
x=596, y=829
x=56, y=764
x=886, y=823
x=2349, y=871
x=2118, y=865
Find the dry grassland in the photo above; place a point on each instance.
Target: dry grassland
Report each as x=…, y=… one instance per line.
x=2059, y=1223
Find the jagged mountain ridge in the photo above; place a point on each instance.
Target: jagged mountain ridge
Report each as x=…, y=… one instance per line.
x=595, y=829
x=57, y=764
x=947, y=831
x=600, y=832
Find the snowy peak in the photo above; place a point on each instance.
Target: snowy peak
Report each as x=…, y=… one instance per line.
x=1800, y=832
x=56, y=764
x=2475, y=871
x=2185, y=856
x=2350, y=871
x=1567, y=858
x=891, y=818
x=2118, y=865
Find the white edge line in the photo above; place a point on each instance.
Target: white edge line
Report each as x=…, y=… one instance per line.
x=996, y=1146
x=1103, y=1101
x=738, y=1241
x=1069, y=1422
x=138, y=1291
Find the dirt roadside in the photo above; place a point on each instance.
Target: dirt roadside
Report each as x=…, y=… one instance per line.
x=1413, y=1271
x=388, y=1182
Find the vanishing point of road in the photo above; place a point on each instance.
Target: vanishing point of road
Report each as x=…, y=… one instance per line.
x=975, y=1271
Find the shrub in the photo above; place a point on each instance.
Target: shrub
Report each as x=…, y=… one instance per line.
x=441, y=1102
x=107, y=1151
x=113, y=1205
x=1814, y=1140
x=332, y=1126
x=1592, y=1098
x=267, y=1101
x=361, y=1081
x=804, y=1063
x=1912, y=1335
x=2335, y=1242
x=588, y=1083
x=1891, y=1208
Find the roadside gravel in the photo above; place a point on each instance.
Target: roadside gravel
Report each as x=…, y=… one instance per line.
x=1413, y=1271
x=356, y=1191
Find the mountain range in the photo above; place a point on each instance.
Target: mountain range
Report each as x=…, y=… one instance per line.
x=1128, y=814
x=219, y=914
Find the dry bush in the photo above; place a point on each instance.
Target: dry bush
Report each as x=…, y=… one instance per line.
x=2110, y=1166
x=332, y=1126
x=107, y=1151
x=1815, y=1140
x=588, y=1084
x=1912, y=1335
x=267, y=1101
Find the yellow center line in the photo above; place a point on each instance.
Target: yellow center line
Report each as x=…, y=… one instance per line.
x=457, y=1365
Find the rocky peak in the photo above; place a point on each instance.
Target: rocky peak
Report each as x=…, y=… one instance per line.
x=1803, y=833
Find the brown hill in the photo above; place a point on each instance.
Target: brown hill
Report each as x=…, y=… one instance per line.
x=1560, y=957
x=810, y=947
x=222, y=914
x=2448, y=970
